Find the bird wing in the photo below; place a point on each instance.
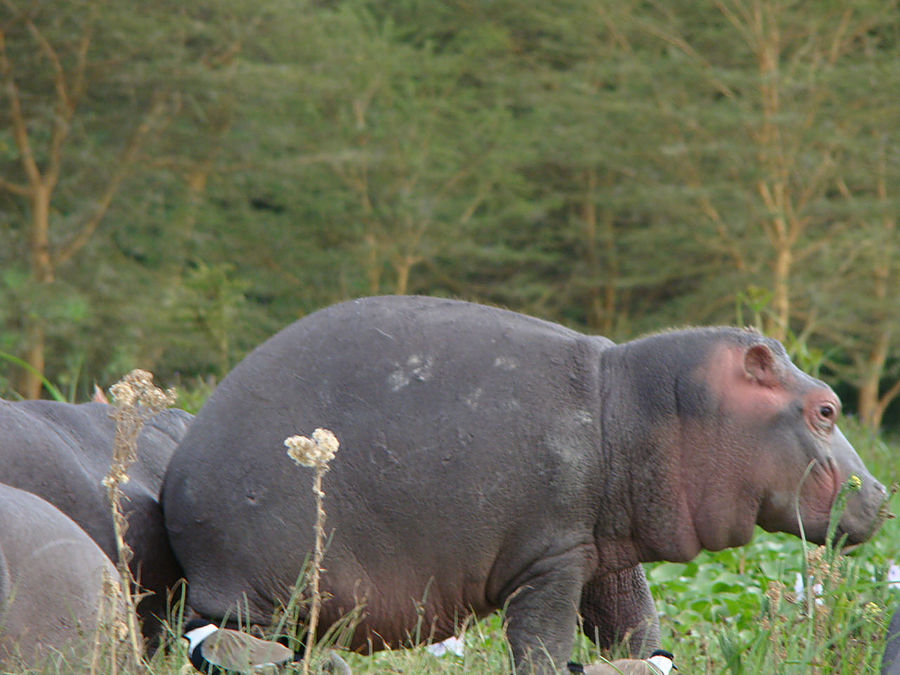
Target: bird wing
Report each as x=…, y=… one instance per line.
x=240, y=652
x=622, y=667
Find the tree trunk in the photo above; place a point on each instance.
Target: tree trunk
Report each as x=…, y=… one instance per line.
x=602, y=294
x=777, y=323
x=373, y=264
x=870, y=408
x=610, y=300
x=41, y=273
x=403, y=265
x=873, y=403
x=589, y=223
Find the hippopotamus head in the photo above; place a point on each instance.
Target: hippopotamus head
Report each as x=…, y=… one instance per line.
x=753, y=440
x=808, y=458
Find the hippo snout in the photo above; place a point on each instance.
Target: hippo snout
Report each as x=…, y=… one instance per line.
x=866, y=510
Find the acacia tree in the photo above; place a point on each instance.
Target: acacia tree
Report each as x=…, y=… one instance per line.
x=757, y=146
x=586, y=83
x=860, y=276
x=109, y=110
x=46, y=76
x=786, y=164
x=411, y=140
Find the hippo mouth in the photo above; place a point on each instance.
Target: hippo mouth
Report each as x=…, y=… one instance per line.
x=815, y=500
x=862, y=509
x=819, y=490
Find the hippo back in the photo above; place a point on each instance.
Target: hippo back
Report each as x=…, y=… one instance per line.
x=50, y=578
x=62, y=451
x=402, y=382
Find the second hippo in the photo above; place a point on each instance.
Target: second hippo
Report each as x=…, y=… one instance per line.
x=61, y=452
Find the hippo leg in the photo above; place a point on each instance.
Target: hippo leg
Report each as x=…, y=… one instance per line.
x=618, y=606
x=541, y=619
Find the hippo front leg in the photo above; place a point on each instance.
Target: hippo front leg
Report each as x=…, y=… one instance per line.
x=541, y=619
x=617, y=606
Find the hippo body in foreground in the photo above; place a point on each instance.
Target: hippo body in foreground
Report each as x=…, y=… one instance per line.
x=489, y=460
x=51, y=579
x=62, y=451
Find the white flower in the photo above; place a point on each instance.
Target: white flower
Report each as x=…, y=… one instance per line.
x=798, y=589
x=315, y=452
x=893, y=575
x=452, y=645
x=137, y=388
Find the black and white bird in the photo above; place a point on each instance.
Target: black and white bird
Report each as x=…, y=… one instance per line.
x=212, y=649
x=222, y=650
x=660, y=662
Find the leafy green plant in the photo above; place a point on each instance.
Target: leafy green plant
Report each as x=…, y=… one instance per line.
x=48, y=385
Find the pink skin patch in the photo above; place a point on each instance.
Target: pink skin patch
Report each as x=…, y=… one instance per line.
x=819, y=491
x=753, y=387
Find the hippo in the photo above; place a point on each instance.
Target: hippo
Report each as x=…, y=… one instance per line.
x=51, y=579
x=61, y=452
x=493, y=460
x=890, y=662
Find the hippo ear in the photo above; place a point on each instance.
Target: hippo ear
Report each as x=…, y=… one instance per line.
x=759, y=365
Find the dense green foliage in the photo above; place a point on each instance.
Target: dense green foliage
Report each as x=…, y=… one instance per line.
x=216, y=170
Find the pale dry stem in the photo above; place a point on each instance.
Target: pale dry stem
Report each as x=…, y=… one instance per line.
x=112, y=624
x=314, y=453
x=135, y=400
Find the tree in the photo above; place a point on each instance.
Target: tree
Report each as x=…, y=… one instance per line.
x=46, y=78
x=787, y=165
x=92, y=92
x=41, y=132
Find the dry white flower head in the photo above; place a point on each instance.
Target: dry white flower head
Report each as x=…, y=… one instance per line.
x=137, y=388
x=313, y=452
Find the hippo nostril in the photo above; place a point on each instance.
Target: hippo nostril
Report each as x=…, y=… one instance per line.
x=880, y=493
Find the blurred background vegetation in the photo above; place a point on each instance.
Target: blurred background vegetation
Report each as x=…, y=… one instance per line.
x=178, y=181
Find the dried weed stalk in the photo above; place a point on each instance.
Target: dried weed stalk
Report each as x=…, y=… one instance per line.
x=112, y=624
x=315, y=453
x=135, y=400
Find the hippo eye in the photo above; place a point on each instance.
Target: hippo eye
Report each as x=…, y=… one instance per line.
x=827, y=412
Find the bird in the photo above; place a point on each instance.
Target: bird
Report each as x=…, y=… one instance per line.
x=212, y=649
x=660, y=662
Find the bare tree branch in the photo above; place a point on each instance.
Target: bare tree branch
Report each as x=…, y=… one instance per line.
x=885, y=399
x=20, y=132
x=15, y=188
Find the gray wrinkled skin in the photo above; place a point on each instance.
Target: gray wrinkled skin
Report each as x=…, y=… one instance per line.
x=488, y=460
x=61, y=452
x=890, y=662
x=50, y=579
